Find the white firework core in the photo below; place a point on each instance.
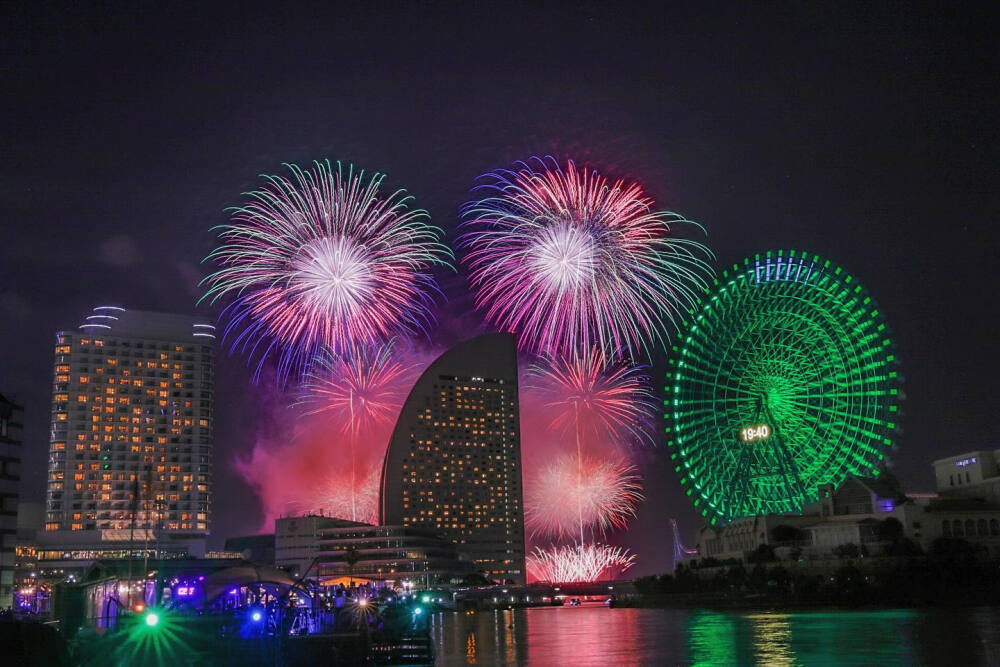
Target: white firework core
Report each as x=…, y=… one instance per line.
x=333, y=273
x=564, y=258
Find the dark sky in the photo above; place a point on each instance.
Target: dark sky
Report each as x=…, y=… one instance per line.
x=866, y=133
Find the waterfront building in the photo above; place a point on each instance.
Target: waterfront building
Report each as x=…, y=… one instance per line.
x=854, y=512
x=970, y=475
x=453, y=465
x=11, y=425
x=130, y=457
x=331, y=549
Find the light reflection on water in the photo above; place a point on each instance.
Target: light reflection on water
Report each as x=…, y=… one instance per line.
x=595, y=635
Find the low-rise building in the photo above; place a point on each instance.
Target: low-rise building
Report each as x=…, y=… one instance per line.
x=65, y=554
x=966, y=506
x=330, y=549
x=970, y=475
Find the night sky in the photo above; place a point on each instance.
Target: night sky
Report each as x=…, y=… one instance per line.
x=867, y=134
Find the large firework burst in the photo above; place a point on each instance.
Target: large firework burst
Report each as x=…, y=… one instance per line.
x=596, y=399
x=567, y=492
x=323, y=260
x=578, y=562
x=572, y=262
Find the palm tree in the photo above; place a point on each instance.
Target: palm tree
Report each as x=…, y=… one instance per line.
x=351, y=557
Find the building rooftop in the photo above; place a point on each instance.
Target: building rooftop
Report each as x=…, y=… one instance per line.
x=118, y=321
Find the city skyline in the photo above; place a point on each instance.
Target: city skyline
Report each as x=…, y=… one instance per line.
x=881, y=168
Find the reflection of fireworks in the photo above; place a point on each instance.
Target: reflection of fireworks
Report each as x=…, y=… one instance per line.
x=595, y=397
x=572, y=262
x=579, y=562
x=323, y=260
x=559, y=498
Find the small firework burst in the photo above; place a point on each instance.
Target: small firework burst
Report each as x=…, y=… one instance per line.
x=359, y=391
x=569, y=493
x=579, y=563
x=348, y=494
x=596, y=398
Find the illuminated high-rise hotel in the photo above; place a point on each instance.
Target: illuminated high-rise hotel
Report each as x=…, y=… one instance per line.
x=131, y=428
x=454, y=460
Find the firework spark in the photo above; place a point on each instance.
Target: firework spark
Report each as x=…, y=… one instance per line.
x=559, y=498
x=572, y=262
x=579, y=562
x=323, y=260
x=596, y=399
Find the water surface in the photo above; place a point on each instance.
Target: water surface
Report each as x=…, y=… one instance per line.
x=596, y=635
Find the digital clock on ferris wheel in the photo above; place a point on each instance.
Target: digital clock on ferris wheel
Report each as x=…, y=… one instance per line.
x=755, y=433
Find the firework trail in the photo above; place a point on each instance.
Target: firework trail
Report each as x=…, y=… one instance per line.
x=604, y=496
x=600, y=404
x=323, y=260
x=360, y=393
x=578, y=562
x=572, y=262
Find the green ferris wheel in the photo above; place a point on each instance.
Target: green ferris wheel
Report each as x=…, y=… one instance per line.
x=784, y=379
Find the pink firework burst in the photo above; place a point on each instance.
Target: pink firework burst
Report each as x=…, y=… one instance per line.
x=323, y=260
x=359, y=391
x=596, y=399
x=349, y=495
x=571, y=261
x=362, y=394
x=568, y=494
x=579, y=563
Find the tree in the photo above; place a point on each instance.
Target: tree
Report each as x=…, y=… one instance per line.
x=848, y=580
x=890, y=530
x=762, y=554
x=351, y=557
x=647, y=585
x=849, y=550
x=904, y=547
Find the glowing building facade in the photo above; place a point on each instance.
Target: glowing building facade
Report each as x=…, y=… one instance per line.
x=454, y=460
x=131, y=428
